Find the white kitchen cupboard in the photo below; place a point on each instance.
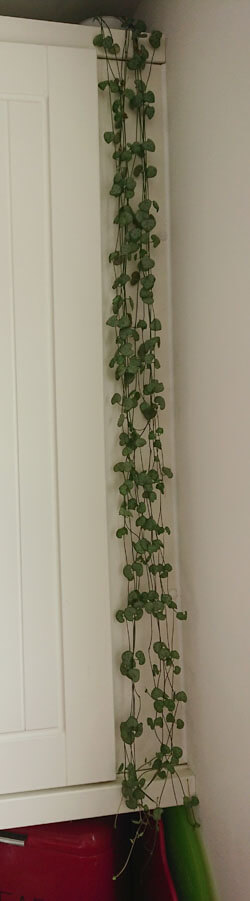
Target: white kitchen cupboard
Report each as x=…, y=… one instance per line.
x=56, y=704
x=57, y=711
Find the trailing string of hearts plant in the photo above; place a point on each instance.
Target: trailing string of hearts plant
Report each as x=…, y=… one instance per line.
x=139, y=396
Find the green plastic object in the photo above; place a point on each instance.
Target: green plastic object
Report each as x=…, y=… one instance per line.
x=186, y=857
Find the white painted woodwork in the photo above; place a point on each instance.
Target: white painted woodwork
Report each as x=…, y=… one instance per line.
x=11, y=664
x=83, y=801
x=56, y=700
x=79, y=392
x=59, y=34
x=57, y=709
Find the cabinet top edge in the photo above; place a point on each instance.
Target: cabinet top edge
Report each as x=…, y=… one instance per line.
x=36, y=31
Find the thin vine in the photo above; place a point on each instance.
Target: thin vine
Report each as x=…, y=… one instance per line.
x=140, y=397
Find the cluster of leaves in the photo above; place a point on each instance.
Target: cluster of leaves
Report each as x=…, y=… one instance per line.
x=140, y=398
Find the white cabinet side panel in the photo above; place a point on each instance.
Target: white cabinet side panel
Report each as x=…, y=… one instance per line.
x=11, y=701
x=33, y=352
x=80, y=427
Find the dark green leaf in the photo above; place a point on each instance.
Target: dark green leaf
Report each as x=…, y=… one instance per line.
x=155, y=670
x=140, y=657
x=112, y=321
x=130, y=730
x=127, y=659
x=129, y=93
x=136, y=101
x=126, y=155
x=116, y=399
x=147, y=296
x=98, y=40
x=155, y=240
x=135, y=234
x=160, y=402
x=130, y=182
x=149, y=145
x=121, y=532
x=120, y=280
x=161, y=650
x=177, y=753
x=124, y=489
x=134, y=674
x=145, y=205
x=194, y=801
x=156, y=693
x=151, y=388
x=147, y=263
x=150, y=722
x=128, y=572
x=148, y=410
x=159, y=721
x=114, y=86
x=181, y=696
x=124, y=216
x=158, y=706
x=129, y=247
x=120, y=616
x=138, y=568
x=155, y=325
x=148, y=223
x=155, y=39
x=116, y=190
x=117, y=303
x=125, y=320
x=167, y=472
x=108, y=136
x=151, y=171
x=126, y=350
x=134, y=63
x=135, y=277
x=148, y=281
x=129, y=614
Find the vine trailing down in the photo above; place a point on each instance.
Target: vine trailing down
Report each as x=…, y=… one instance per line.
x=140, y=399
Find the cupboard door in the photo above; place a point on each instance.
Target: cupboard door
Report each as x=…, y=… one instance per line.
x=56, y=702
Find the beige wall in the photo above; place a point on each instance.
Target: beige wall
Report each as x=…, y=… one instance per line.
x=209, y=132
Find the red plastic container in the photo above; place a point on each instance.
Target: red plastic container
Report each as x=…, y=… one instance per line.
x=61, y=862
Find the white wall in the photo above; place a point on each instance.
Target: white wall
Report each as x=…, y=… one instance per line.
x=208, y=55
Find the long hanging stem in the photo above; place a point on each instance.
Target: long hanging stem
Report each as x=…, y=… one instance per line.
x=140, y=398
